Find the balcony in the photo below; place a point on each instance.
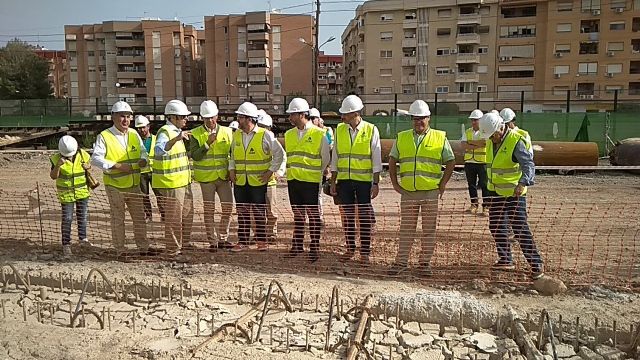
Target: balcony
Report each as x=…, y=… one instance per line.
x=260, y=88
x=258, y=71
x=409, y=42
x=258, y=53
x=258, y=36
x=129, y=43
x=468, y=38
x=467, y=77
x=409, y=23
x=241, y=79
x=470, y=58
x=131, y=74
x=130, y=59
x=361, y=65
x=408, y=61
x=469, y=19
x=408, y=80
x=242, y=55
x=132, y=90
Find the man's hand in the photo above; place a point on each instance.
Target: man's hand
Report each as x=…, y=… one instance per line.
x=142, y=163
x=123, y=167
x=232, y=176
x=442, y=187
x=333, y=189
x=397, y=188
x=61, y=162
x=375, y=189
x=519, y=190
x=86, y=166
x=184, y=135
x=266, y=176
x=212, y=138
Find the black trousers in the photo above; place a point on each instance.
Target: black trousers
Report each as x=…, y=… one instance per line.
x=476, y=177
x=303, y=197
x=251, y=200
x=354, y=198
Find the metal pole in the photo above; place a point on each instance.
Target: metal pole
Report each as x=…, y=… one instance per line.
x=69, y=102
x=97, y=106
x=435, y=105
x=315, y=54
x=615, y=100
x=40, y=216
x=154, y=106
x=568, y=101
x=521, y=101
x=477, y=100
x=395, y=103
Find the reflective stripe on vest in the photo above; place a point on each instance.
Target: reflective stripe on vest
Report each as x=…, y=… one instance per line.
x=152, y=151
x=477, y=155
x=117, y=154
x=420, y=165
x=251, y=162
x=354, y=157
x=304, y=162
x=502, y=173
x=215, y=163
x=72, y=182
x=171, y=171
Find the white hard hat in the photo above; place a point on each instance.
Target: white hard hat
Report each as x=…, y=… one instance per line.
x=68, y=146
x=476, y=114
x=248, y=109
x=298, y=105
x=234, y=125
x=176, y=107
x=208, y=109
x=141, y=121
x=494, y=111
x=313, y=112
x=489, y=123
x=419, y=108
x=264, y=119
x=351, y=103
x=508, y=115
x=121, y=106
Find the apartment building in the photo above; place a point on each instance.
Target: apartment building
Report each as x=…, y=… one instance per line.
x=143, y=61
x=258, y=56
x=330, y=73
x=544, y=50
x=57, y=60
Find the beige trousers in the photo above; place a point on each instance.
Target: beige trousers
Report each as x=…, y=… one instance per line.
x=272, y=217
x=132, y=199
x=178, y=219
x=412, y=204
x=225, y=193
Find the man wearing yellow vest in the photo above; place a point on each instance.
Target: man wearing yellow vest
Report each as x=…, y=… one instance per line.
x=68, y=168
x=120, y=153
x=308, y=154
x=421, y=152
x=149, y=140
x=266, y=122
x=255, y=156
x=510, y=169
x=475, y=167
x=509, y=118
x=171, y=177
x=209, y=147
x=356, y=163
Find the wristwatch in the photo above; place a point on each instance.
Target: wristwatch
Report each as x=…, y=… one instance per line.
x=375, y=184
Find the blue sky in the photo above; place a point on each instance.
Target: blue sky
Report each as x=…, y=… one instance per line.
x=42, y=21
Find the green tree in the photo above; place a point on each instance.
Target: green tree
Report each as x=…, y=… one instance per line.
x=23, y=74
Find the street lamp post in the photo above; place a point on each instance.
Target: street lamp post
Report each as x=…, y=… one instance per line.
x=314, y=80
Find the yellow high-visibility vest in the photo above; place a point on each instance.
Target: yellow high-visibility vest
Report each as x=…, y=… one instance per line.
x=420, y=165
x=117, y=154
x=72, y=182
x=171, y=171
x=502, y=173
x=152, y=151
x=251, y=162
x=354, y=157
x=304, y=161
x=215, y=163
x=477, y=155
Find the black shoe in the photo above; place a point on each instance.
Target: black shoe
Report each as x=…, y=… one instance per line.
x=225, y=245
x=313, y=256
x=213, y=248
x=150, y=252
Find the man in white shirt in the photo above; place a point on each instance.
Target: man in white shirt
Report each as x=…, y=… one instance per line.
x=475, y=167
x=120, y=153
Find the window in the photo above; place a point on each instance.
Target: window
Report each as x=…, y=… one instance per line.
x=386, y=90
x=442, y=89
x=615, y=46
x=444, y=13
x=614, y=68
x=277, y=63
x=515, y=71
x=517, y=51
x=563, y=48
x=634, y=88
x=70, y=37
x=91, y=53
x=585, y=88
x=589, y=5
x=276, y=46
x=517, y=12
x=485, y=10
x=386, y=36
x=409, y=16
x=618, y=4
x=588, y=47
x=444, y=31
x=225, y=29
x=74, y=84
x=74, y=69
x=443, y=51
x=482, y=88
x=589, y=26
x=610, y=89
x=561, y=69
x=386, y=17
x=564, y=5
x=386, y=72
x=483, y=29
x=616, y=25
x=517, y=31
x=588, y=68
x=483, y=50
x=563, y=27
x=482, y=69
x=386, y=54
x=442, y=71
x=226, y=64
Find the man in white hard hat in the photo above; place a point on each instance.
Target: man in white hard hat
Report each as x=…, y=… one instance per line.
x=255, y=156
x=266, y=122
x=234, y=126
x=120, y=153
x=510, y=170
x=475, y=167
x=356, y=163
x=68, y=168
x=316, y=119
x=171, y=177
x=421, y=152
x=509, y=117
x=143, y=127
x=209, y=148
x=308, y=155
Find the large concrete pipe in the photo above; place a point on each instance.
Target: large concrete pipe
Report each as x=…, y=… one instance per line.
x=546, y=153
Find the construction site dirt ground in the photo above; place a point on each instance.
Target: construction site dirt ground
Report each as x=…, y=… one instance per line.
x=219, y=283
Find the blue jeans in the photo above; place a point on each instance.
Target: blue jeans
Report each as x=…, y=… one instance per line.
x=511, y=212
x=82, y=215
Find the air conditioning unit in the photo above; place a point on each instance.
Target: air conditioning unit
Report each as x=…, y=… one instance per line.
x=610, y=53
x=619, y=10
x=558, y=54
x=453, y=71
x=583, y=97
x=454, y=51
x=557, y=76
x=595, y=12
x=589, y=97
x=376, y=90
x=609, y=75
x=505, y=58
